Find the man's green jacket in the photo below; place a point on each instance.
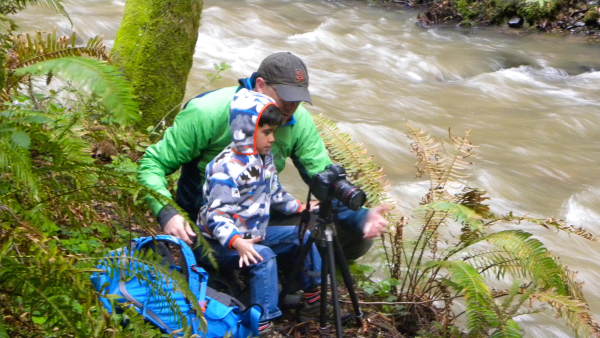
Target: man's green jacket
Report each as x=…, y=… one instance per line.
x=200, y=132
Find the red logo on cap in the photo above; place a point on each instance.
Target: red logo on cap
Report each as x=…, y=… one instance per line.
x=299, y=75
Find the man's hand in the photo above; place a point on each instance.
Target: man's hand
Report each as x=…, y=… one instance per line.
x=178, y=227
x=376, y=224
x=245, y=248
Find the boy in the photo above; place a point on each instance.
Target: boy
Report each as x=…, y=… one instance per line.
x=241, y=186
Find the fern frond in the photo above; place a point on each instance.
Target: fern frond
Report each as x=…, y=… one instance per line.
x=474, y=198
x=163, y=277
x=457, y=151
x=444, y=168
x=426, y=149
x=509, y=329
x=56, y=288
x=534, y=257
x=497, y=263
x=15, y=166
x=96, y=76
x=477, y=294
x=574, y=311
x=511, y=308
x=3, y=333
x=548, y=223
x=459, y=213
x=17, y=5
x=573, y=286
x=32, y=49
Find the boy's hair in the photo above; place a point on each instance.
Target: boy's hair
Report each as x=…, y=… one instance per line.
x=271, y=116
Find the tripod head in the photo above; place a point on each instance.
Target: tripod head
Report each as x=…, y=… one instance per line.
x=327, y=186
x=331, y=183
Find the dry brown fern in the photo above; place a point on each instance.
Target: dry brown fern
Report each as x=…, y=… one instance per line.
x=30, y=49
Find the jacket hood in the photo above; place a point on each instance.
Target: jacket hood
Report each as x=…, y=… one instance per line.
x=244, y=113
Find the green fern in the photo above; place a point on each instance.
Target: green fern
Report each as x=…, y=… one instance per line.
x=13, y=6
x=16, y=162
x=98, y=77
x=30, y=50
x=55, y=290
x=509, y=329
x=3, y=333
x=133, y=264
x=496, y=263
x=477, y=295
x=534, y=257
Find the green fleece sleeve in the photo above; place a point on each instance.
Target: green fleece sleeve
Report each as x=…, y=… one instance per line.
x=181, y=143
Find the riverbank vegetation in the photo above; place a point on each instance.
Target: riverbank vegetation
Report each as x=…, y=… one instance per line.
x=68, y=158
x=453, y=250
x=573, y=16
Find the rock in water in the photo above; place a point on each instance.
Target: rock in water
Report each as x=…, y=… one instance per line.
x=515, y=22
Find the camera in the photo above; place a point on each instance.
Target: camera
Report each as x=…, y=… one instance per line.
x=332, y=183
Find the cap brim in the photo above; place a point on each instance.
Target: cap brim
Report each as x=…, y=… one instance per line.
x=293, y=93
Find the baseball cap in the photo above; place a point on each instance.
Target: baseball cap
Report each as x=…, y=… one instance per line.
x=287, y=74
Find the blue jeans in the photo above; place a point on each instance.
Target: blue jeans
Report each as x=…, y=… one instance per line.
x=279, y=240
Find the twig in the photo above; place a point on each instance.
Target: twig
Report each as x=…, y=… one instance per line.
x=33, y=99
x=403, y=303
x=383, y=327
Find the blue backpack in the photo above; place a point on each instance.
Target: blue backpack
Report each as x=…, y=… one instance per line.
x=223, y=314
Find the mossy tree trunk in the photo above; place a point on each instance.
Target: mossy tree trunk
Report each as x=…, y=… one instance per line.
x=154, y=48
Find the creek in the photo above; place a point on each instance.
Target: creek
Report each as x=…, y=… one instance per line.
x=532, y=101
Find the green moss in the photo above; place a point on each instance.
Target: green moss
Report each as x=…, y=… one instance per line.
x=591, y=17
x=498, y=11
x=536, y=11
x=154, y=47
x=464, y=8
x=485, y=11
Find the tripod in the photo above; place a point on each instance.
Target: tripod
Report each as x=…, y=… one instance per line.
x=329, y=248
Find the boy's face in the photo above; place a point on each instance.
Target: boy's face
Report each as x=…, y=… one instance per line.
x=264, y=138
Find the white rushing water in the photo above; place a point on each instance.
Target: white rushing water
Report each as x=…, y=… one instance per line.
x=532, y=101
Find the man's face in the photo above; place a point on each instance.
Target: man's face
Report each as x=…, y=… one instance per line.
x=265, y=138
x=287, y=108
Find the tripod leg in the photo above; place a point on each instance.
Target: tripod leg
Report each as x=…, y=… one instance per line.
x=324, y=272
x=348, y=281
x=334, y=291
x=296, y=269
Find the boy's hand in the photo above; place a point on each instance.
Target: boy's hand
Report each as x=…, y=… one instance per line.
x=245, y=248
x=178, y=227
x=313, y=204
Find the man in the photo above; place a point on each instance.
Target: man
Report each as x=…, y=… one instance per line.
x=201, y=131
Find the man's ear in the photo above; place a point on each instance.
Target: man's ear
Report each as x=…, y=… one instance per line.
x=260, y=85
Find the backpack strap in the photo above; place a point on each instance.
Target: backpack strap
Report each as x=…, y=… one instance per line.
x=197, y=276
x=250, y=318
x=201, y=297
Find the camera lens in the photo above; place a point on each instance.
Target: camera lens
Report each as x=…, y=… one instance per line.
x=349, y=194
